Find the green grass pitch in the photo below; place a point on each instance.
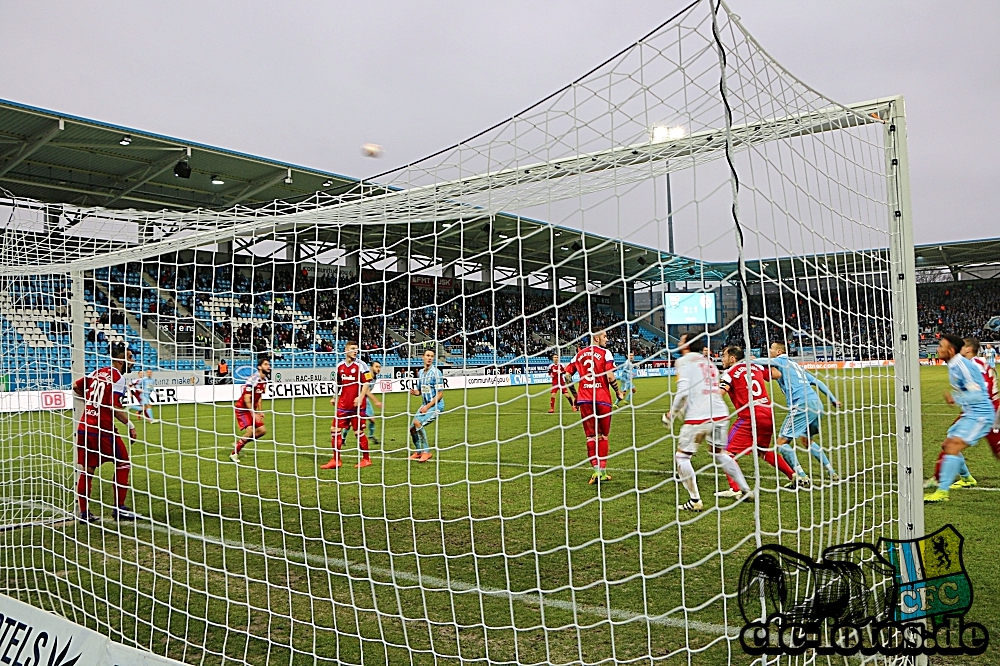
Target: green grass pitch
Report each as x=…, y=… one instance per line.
x=496, y=550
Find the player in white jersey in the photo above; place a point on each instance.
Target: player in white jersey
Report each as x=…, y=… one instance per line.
x=706, y=417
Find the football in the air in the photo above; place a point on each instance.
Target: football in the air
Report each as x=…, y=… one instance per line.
x=371, y=150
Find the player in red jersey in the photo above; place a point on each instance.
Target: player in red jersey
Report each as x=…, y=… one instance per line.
x=556, y=372
x=596, y=367
x=249, y=418
x=740, y=381
x=97, y=440
x=354, y=379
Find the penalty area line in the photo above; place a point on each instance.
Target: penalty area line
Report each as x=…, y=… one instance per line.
x=434, y=583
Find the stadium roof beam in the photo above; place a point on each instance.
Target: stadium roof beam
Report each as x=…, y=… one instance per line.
x=239, y=195
x=29, y=146
x=141, y=176
x=86, y=160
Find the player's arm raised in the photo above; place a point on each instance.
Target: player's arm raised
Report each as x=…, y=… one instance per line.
x=824, y=389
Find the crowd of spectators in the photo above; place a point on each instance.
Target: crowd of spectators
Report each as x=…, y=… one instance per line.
x=384, y=314
x=963, y=308
x=857, y=319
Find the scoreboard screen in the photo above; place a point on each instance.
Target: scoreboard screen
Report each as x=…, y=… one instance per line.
x=682, y=309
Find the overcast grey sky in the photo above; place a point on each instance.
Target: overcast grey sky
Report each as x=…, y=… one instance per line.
x=309, y=81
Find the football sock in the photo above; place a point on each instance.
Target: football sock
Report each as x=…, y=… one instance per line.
x=414, y=437
x=337, y=441
x=363, y=445
x=732, y=484
x=732, y=468
x=602, y=452
x=592, y=452
x=949, y=470
x=686, y=472
x=964, y=470
x=817, y=453
x=779, y=462
x=787, y=452
x=240, y=443
x=83, y=484
x=552, y=402
x=122, y=471
x=422, y=434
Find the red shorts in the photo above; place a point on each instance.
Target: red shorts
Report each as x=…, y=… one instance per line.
x=95, y=447
x=556, y=389
x=741, y=437
x=245, y=419
x=349, y=421
x=596, y=419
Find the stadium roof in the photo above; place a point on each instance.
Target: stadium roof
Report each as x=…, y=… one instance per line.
x=956, y=256
x=959, y=255
x=60, y=158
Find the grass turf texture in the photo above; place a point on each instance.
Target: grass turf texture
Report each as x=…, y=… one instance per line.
x=276, y=561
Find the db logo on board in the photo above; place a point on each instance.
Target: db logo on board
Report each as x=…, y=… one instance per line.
x=385, y=385
x=53, y=400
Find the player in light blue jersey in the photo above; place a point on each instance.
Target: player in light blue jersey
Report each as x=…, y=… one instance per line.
x=968, y=391
x=142, y=390
x=430, y=387
x=804, y=411
x=626, y=378
x=990, y=355
x=372, y=402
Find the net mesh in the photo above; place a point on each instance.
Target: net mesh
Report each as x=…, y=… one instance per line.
x=687, y=185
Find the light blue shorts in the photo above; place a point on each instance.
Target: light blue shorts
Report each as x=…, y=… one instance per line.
x=626, y=386
x=801, y=422
x=970, y=429
x=424, y=419
x=369, y=409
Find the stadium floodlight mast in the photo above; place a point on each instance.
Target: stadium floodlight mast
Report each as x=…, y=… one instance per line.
x=665, y=132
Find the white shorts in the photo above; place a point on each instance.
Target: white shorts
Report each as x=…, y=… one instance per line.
x=692, y=434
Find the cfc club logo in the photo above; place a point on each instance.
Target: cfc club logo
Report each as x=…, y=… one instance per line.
x=894, y=598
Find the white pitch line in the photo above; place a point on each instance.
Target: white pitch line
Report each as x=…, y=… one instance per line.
x=569, y=468
x=431, y=582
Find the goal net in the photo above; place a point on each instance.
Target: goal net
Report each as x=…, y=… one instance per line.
x=687, y=186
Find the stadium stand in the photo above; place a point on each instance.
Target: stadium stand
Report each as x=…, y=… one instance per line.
x=963, y=308
x=308, y=320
